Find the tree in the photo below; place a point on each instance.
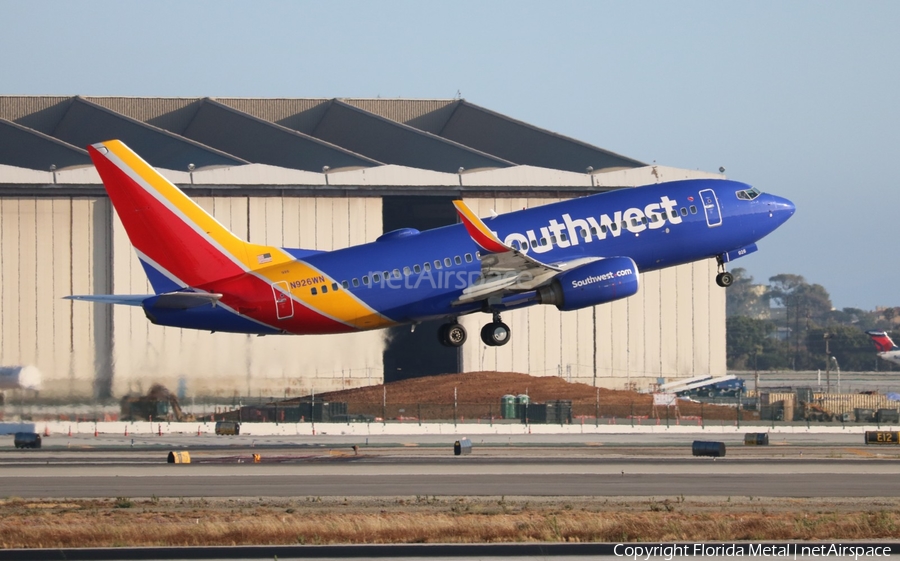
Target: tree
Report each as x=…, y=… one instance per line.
x=805, y=306
x=850, y=346
x=743, y=298
x=750, y=345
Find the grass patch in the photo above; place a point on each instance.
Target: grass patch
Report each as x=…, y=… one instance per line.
x=170, y=522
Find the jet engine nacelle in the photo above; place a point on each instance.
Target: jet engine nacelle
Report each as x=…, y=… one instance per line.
x=599, y=282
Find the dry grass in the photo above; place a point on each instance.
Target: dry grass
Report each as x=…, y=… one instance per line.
x=123, y=522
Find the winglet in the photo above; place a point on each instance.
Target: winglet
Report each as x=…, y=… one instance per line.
x=480, y=233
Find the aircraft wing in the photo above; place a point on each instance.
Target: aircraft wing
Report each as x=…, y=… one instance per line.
x=170, y=300
x=504, y=269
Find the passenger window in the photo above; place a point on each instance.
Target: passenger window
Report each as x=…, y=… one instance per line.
x=553, y=240
x=693, y=209
x=355, y=283
x=366, y=280
x=447, y=261
x=387, y=275
x=313, y=291
x=324, y=289
x=376, y=278
x=396, y=273
x=345, y=284
x=437, y=264
x=478, y=255
x=334, y=286
x=533, y=243
x=417, y=269
x=614, y=226
x=563, y=236
x=458, y=260
x=634, y=222
x=602, y=229
x=683, y=211
x=469, y=257
x=674, y=214
x=594, y=230
x=543, y=241
x=644, y=220
x=625, y=224
x=654, y=218
x=427, y=267
x=584, y=234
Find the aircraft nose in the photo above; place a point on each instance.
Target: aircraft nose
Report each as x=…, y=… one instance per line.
x=781, y=208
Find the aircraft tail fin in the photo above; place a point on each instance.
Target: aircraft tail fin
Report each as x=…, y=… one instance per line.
x=882, y=341
x=179, y=244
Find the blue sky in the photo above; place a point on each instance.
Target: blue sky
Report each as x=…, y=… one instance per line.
x=797, y=98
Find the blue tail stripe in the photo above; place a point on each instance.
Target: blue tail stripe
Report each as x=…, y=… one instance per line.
x=160, y=283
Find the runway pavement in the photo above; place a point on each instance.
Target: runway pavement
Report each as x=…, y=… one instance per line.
x=810, y=465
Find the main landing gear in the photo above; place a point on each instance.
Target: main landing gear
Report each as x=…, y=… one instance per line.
x=494, y=334
x=724, y=278
x=452, y=335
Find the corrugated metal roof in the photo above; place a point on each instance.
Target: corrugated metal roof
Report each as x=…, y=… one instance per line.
x=259, y=141
x=526, y=144
x=434, y=134
x=429, y=115
x=28, y=148
x=395, y=143
x=298, y=114
x=170, y=113
x=86, y=123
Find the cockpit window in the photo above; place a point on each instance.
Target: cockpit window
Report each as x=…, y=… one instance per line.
x=748, y=194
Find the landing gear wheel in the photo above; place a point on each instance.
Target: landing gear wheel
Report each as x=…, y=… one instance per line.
x=724, y=279
x=452, y=335
x=495, y=334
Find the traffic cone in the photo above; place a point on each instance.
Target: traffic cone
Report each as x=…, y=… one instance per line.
x=95, y=431
x=198, y=430
x=159, y=430
x=126, y=430
x=46, y=430
x=70, y=431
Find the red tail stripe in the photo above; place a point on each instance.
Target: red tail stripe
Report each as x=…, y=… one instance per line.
x=159, y=233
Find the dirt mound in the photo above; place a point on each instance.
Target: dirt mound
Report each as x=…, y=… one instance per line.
x=484, y=387
x=478, y=394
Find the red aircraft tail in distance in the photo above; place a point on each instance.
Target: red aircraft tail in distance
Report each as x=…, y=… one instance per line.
x=882, y=341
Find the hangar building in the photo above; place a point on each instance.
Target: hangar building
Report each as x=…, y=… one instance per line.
x=319, y=174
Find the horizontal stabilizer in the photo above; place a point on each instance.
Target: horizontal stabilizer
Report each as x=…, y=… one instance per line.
x=170, y=300
x=124, y=299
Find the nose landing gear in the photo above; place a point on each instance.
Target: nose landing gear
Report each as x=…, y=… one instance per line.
x=724, y=278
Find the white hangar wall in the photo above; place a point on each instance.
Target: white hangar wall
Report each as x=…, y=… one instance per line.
x=51, y=248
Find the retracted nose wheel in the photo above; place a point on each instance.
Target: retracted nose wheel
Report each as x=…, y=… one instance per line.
x=452, y=335
x=495, y=334
x=724, y=279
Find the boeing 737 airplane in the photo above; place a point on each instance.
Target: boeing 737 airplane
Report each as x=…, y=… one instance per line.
x=572, y=254
x=887, y=350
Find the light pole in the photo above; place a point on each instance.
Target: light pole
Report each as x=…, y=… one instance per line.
x=828, y=337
